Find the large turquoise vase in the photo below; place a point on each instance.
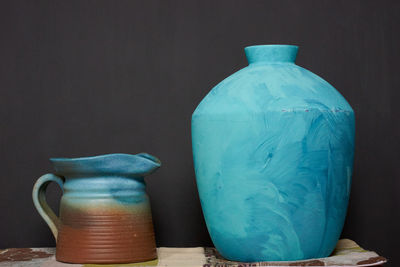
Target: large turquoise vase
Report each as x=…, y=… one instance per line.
x=273, y=149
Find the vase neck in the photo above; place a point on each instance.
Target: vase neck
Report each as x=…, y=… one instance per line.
x=271, y=54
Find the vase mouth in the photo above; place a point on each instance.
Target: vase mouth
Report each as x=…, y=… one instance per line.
x=272, y=53
x=118, y=164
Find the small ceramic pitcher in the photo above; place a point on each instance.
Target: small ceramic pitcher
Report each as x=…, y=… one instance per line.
x=105, y=214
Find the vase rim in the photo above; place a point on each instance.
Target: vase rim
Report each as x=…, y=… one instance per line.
x=272, y=45
x=271, y=53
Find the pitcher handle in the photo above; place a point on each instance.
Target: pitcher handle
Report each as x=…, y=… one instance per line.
x=39, y=199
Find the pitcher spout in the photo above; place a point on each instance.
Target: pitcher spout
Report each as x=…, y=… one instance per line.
x=146, y=163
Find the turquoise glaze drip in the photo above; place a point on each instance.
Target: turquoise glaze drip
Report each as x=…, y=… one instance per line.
x=273, y=151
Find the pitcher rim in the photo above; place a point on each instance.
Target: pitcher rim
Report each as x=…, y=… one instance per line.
x=138, y=165
x=143, y=155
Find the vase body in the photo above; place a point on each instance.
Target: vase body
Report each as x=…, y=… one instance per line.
x=105, y=214
x=273, y=149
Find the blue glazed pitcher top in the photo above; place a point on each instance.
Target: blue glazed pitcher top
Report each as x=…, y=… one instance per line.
x=117, y=176
x=126, y=165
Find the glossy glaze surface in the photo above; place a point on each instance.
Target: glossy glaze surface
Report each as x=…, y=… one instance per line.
x=273, y=153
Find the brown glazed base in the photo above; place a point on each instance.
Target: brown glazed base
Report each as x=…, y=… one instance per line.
x=116, y=235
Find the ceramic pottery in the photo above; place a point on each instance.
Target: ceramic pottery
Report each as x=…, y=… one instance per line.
x=273, y=153
x=105, y=214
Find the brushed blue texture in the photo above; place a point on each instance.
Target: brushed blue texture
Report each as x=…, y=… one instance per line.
x=273, y=149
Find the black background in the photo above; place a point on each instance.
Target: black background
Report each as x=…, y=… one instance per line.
x=81, y=78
